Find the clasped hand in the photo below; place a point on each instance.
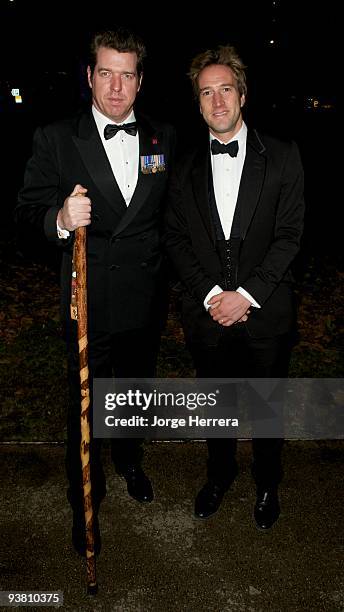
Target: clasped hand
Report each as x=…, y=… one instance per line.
x=229, y=307
x=76, y=210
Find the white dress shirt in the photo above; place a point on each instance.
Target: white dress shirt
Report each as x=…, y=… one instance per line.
x=227, y=173
x=122, y=151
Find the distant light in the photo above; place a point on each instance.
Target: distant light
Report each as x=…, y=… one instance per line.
x=313, y=103
x=272, y=42
x=16, y=94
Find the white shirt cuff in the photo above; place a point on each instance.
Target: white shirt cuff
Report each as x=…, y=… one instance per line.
x=249, y=297
x=62, y=233
x=214, y=291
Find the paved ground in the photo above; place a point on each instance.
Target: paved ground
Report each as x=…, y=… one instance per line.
x=158, y=557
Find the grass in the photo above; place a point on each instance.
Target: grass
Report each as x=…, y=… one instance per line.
x=32, y=353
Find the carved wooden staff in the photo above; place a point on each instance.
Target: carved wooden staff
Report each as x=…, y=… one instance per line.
x=79, y=312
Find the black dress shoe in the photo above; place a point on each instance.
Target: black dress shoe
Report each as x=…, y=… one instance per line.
x=267, y=509
x=208, y=500
x=79, y=534
x=138, y=484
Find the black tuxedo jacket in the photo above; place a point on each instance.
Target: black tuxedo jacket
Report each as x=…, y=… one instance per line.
x=271, y=223
x=123, y=243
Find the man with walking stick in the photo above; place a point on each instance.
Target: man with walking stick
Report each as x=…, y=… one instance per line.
x=106, y=170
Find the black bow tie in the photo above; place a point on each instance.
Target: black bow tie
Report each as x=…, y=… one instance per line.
x=111, y=129
x=231, y=148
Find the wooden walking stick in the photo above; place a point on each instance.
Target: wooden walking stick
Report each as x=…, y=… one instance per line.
x=79, y=312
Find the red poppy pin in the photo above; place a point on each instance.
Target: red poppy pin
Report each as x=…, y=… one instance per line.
x=154, y=140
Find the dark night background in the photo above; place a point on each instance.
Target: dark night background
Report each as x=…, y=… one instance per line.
x=43, y=48
x=294, y=91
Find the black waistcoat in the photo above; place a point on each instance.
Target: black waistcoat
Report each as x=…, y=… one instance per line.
x=228, y=250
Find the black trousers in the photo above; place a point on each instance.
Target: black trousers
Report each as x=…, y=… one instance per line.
x=129, y=354
x=237, y=355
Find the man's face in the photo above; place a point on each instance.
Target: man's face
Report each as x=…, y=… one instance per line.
x=114, y=83
x=220, y=101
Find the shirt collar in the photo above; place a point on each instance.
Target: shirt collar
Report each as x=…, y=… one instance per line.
x=102, y=121
x=240, y=136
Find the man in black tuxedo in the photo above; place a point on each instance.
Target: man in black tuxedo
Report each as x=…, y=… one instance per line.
x=106, y=169
x=234, y=223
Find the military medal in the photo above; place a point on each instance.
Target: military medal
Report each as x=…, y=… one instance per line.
x=150, y=164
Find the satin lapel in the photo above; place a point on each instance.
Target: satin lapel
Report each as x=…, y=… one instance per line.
x=148, y=146
x=200, y=186
x=252, y=180
x=95, y=159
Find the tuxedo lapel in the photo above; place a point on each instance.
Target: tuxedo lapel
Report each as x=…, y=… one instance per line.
x=251, y=183
x=149, y=145
x=95, y=159
x=200, y=186
x=252, y=179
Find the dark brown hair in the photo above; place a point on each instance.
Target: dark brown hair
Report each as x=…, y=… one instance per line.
x=121, y=40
